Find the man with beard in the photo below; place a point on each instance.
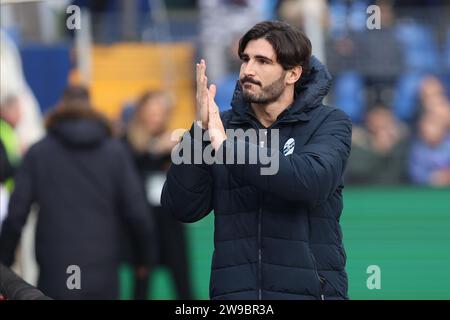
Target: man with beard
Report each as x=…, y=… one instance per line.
x=276, y=236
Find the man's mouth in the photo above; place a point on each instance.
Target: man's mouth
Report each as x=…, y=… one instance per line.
x=248, y=81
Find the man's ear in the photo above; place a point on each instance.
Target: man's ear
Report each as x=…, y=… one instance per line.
x=294, y=74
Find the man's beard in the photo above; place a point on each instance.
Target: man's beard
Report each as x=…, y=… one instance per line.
x=268, y=94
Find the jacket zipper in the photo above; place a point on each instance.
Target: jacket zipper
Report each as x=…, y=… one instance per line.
x=259, y=255
x=254, y=123
x=263, y=143
x=321, y=279
x=322, y=287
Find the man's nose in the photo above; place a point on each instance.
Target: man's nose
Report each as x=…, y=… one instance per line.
x=248, y=69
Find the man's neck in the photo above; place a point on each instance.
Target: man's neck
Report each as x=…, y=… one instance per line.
x=267, y=114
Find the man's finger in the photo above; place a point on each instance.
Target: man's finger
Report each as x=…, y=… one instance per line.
x=202, y=68
x=197, y=73
x=203, y=86
x=212, y=91
x=200, y=72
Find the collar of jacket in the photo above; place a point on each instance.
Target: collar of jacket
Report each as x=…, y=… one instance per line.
x=309, y=94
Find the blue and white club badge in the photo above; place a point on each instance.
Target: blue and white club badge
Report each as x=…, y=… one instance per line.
x=289, y=147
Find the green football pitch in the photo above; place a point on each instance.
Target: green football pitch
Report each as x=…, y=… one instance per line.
x=403, y=231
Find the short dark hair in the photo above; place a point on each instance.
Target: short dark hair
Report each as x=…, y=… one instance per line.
x=76, y=92
x=292, y=46
x=75, y=97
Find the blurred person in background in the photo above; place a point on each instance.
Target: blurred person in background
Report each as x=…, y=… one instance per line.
x=86, y=188
x=29, y=129
x=9, y=150
x=434, y=98
x=366, y=62
x=379, y=151
x=149, y=142
x=380, y=57
x=429, y=162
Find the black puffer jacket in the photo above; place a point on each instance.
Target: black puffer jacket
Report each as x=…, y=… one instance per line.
x=86, y=187
x=276, y=236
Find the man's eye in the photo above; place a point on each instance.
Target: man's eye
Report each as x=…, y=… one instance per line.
x=262, y=61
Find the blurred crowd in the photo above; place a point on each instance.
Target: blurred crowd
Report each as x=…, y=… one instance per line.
x=394, y=83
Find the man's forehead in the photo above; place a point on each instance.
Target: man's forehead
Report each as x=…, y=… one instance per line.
x=260, y=47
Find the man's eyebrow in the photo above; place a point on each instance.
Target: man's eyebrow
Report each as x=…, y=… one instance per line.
x=258, y=56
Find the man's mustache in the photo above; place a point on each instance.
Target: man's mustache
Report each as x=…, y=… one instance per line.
x=250, y=80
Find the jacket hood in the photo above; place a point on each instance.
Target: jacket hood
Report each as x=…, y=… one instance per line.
x=309, y=93
x=78, y=128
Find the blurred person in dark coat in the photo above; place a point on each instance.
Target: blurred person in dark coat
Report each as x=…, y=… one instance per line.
x=6, y=167
x=379, y=151
x=150, y=145
x=86, y=188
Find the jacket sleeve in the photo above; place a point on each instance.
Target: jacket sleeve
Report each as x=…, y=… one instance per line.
x=15, y=288
x=6, y=168
x=187, y=192
x=19, y=206
x=135, y=210
x=309, y=176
